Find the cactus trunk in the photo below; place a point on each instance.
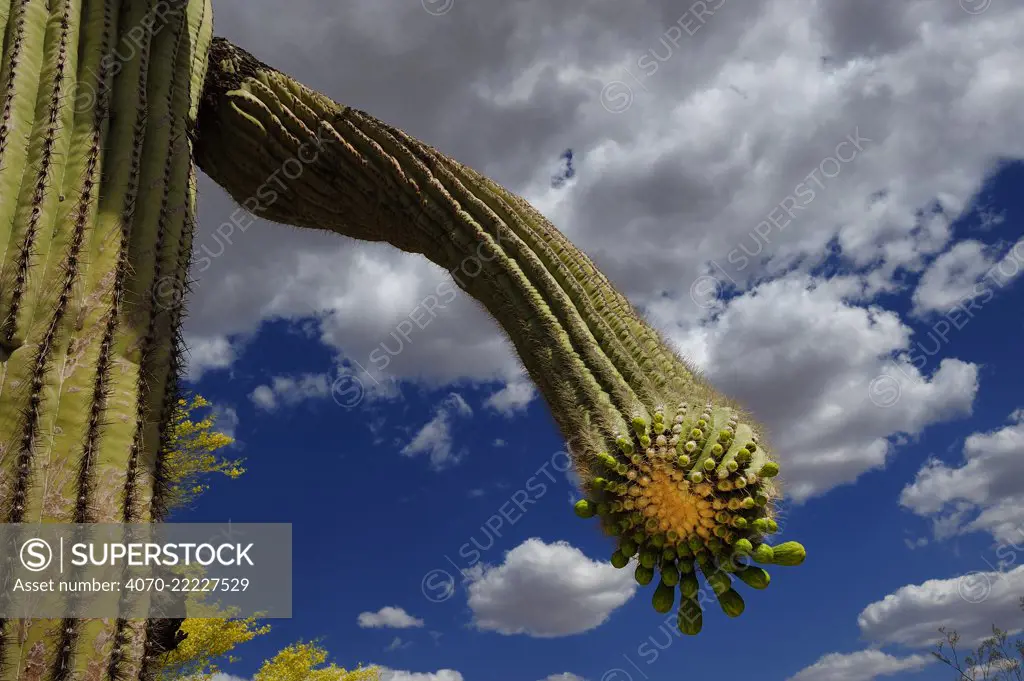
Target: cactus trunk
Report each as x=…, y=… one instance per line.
x=97, y=202
x=676, y=468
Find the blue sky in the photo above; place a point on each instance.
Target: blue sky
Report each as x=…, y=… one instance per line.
x=877, y=334
x=371, y=523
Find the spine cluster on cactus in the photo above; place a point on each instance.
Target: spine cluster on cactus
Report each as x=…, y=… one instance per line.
x=675, y=469
x=97, y=205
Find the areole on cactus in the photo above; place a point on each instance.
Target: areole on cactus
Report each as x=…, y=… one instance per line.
x=106, y=104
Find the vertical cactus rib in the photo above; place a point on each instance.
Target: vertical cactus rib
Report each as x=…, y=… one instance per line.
x=97, y=204
x=177, y=220
x=677, y=470
x=165, y=182
x=50, y=140
x=84, y=134
x=20, y=72
x=150, y=211
x=178, y=292
x=77, y=214
x=84, y=641
x=114, y=395
x=108, y=253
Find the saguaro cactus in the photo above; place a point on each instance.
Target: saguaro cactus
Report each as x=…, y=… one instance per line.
x=97, y=202
x=678, y=471
x=101, y=113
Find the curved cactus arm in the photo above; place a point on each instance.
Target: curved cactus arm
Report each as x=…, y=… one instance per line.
x=676, y=468
x=97, y=204
x=596, y=361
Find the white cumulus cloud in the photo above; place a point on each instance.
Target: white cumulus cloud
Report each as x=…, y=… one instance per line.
x=865, y=665
x=389, y=616
x=971, y=604
x=985, y=493
x=547, y=590
x=387, y=674
x=435, y=437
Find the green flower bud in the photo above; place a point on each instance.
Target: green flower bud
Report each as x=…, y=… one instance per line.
x=585, y=508
x=643, y=575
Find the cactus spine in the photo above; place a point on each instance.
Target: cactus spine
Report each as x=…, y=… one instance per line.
x=677, y=469
x=97, y=204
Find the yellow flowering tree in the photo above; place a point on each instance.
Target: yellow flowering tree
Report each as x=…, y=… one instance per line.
x=308, y=662
x=193, y=452
x=194, y=456
x=208, y=638
x=212, y=639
